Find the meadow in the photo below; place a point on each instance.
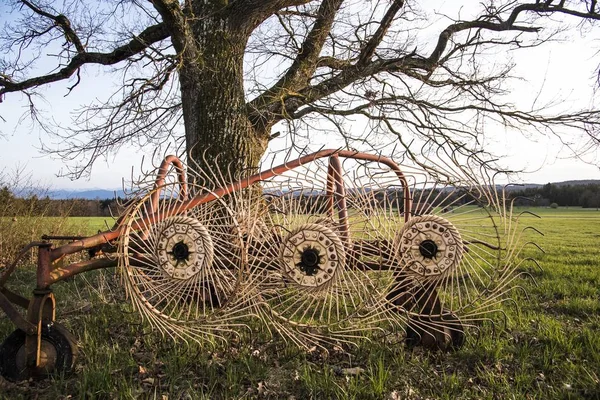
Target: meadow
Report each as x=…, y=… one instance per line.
x=549, y=346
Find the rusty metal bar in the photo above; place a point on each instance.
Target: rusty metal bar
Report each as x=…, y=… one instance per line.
x=160, y=181
x=16, y=318
x=9, y=270
x=340, y=196
x=44, y=266
x=55, y=237
x=329, y=190
x=42, y=309
x=106, y=237
x=60, y=273
x=85, y=243
x=242, y=184
x=15, y=298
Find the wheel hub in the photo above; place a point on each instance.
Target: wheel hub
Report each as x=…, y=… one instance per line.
x=429, y=247
x=181, y=251
x=184, y=247
x=312, y=255
x=48, y=357
x=309, y=261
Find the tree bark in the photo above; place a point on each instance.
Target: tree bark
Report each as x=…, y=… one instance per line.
x=218, y=131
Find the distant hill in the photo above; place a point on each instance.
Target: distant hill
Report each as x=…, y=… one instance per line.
x=92, y=194
x=518, y=187
x=88, y=194
x=523, y=186
x=579, y=182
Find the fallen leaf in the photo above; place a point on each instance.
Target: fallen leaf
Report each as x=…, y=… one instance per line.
x=148, y=381
x=352, y=371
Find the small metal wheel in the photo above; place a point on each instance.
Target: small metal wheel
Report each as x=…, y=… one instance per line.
x=182, y=267
x=58, y=353
x=442, y=332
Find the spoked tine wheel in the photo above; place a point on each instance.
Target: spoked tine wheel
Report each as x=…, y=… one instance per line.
x=301, y=258
x=182, y=266
x=450, y=268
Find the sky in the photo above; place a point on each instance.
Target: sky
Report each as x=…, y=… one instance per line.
x=559, y=70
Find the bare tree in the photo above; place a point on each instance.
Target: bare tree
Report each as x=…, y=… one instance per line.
x=215, y=76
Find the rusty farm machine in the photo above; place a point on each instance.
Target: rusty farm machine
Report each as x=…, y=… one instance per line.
x=330, y=247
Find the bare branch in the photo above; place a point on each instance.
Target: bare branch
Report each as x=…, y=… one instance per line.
x=408, y=64
x=462, y=26
x=147, y=37
x=248, y=14
x=305, y=63
x=146, y=112
x=61, y=21
x=376, y=39
x=175, y=21
x=333, y=63
x=232, y=69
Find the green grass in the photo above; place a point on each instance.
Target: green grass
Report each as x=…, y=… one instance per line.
x=93, y=224
x=549, y=349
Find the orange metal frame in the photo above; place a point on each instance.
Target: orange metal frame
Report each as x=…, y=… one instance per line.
x=49, y=269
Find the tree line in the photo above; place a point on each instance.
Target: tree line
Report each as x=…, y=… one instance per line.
x=586, y=196
x=33, y=204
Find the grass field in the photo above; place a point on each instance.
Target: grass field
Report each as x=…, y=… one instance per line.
x=549, y=349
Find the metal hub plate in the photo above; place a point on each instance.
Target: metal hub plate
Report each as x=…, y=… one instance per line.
x=315, y=242
x=429, y=246
x=184, y=247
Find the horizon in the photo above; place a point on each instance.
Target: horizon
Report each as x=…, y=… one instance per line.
x=65, y=194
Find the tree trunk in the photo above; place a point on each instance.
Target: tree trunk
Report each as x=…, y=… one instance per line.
x=218, y=132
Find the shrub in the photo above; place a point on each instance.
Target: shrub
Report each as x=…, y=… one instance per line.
x=553, y=205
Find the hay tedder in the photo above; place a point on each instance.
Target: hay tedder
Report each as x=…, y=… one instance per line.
x=333, y=247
